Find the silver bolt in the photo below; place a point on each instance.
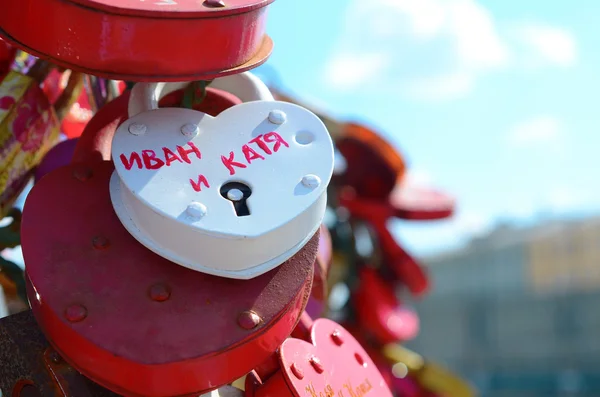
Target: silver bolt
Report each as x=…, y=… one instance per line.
x=235, y=195
x=137, y=129
x=311, y=181
x=190, y=130
x=277, y=117
x=196, y=210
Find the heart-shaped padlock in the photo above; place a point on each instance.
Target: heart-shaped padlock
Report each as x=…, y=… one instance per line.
x=121, y=314
x=250, y=182
x=332, y=363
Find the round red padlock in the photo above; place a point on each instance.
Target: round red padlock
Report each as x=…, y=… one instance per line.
x=132, y=40
x=122, y=315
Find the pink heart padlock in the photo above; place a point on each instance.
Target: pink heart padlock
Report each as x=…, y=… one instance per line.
x=331, y=364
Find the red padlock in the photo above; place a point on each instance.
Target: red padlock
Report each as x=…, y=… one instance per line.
x=372, y=165
x=420, y=203
x=380, y=313
x=404, y=266
x=318, y=298
x=330, y=363
x=158, y=40
x=122, y=315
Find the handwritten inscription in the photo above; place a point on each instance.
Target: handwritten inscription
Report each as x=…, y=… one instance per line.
x=251, y=155
x=257, y=149
x=347, y=390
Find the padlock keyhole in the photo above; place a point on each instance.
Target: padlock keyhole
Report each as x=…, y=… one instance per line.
x=238, y=193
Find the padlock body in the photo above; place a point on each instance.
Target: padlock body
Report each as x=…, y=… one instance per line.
x=121, y=314
x=162, y=174
x=159, y=40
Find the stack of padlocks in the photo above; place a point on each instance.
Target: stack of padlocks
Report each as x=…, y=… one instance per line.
x=173, y=241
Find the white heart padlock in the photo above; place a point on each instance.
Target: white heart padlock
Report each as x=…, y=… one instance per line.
x=234, y=195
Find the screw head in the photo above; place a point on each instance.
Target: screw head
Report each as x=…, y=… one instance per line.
x=311, y=181
x=196, y=210
x=160, y=292
x=214, y=3
x=316, y=364
x=249, y=320
x=277, y=117
x=298, y=373
x=336, y=336
x=235, y=195
x=82, y=174
x=360, y=360
x=137, y=129
x=75, y=313
x=100, y=243
x=190, y=130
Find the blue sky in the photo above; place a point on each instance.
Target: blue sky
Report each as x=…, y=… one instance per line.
x=493, y=101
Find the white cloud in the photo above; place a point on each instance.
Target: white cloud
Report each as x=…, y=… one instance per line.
x=535, y=131
x=547, y=44
x=435, y=49
x=348, y=71
x=564, y=199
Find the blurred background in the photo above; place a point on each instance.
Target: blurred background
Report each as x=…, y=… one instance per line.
x=493, y=102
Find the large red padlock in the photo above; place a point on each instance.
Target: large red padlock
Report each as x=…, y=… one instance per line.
x=122, y=315
x=158, y=40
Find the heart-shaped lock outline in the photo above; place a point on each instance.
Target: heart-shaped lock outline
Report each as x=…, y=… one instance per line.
x=317, y=368
x=189, y=242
